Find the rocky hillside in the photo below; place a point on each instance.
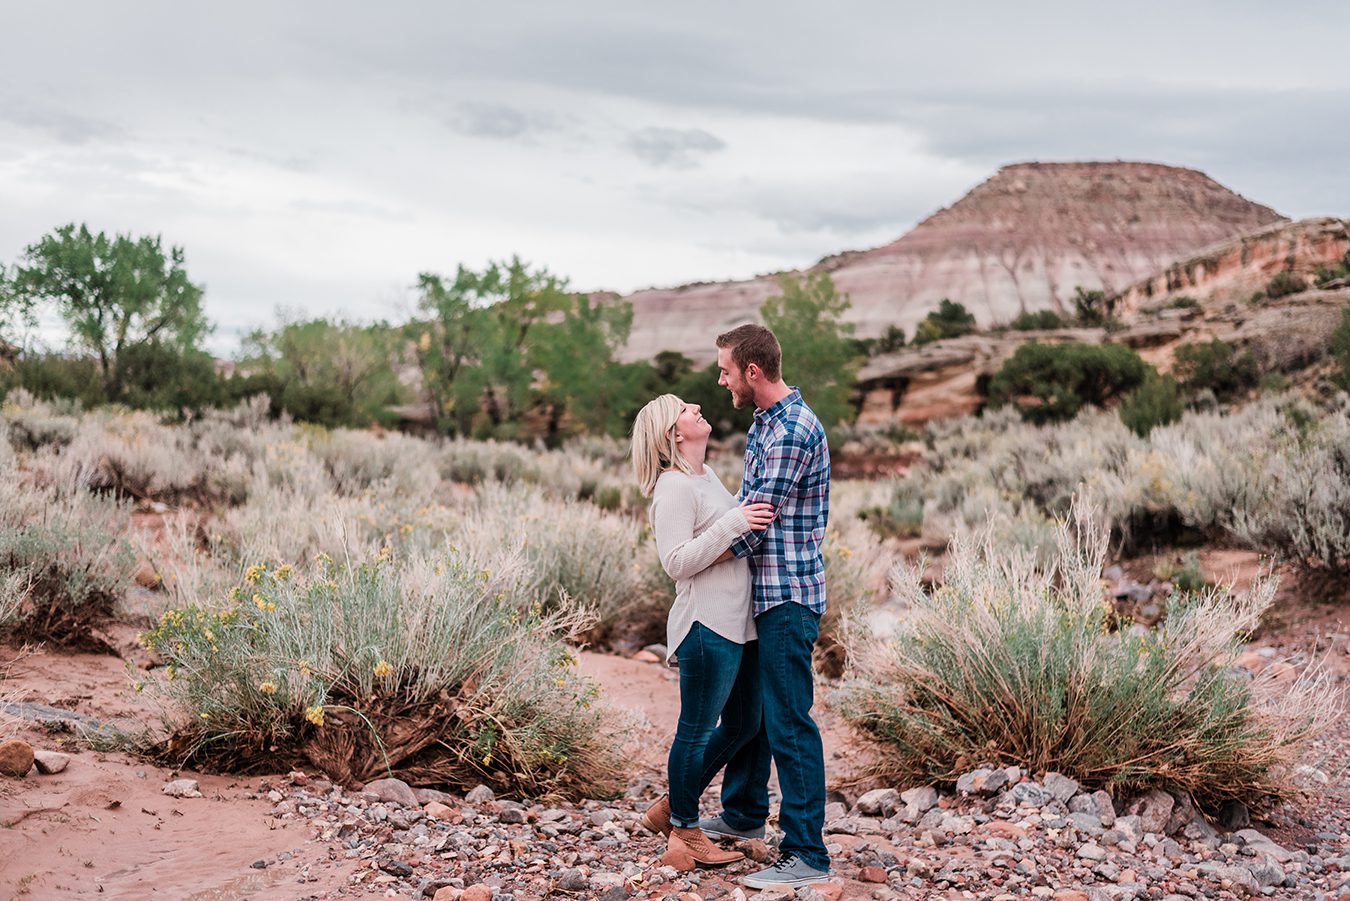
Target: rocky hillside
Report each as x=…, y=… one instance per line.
x=1023, y=240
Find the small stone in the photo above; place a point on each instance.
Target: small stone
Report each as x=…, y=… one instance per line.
x=827, y=891
x=1061, y=788
x=438, y=811
x=1030, y=793
x=448, y=893
x=971, y=783
x=645, y=656
x=181, y=788
x=393, y=791
x=777, y=893
x=16, y=757
x=513, y=816
x=872, y=874
x=396, y=868
x=259, y=864
x=50, y=762
x=756, y=850
x=1237, y=879
x=1092, y=851
x=573, y=881
x=1154, y=809
x=476, y=893
x=881, y=802
x=1070, y=894
x=479, y=794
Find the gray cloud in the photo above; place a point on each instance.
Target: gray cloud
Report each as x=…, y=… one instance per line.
x=478, y=119
x=673, y=148
x=65, y=126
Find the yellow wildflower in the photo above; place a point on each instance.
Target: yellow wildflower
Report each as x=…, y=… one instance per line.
x=254, y=573
x=138, y=686
x=315, y=714
x=260, y=602
x=283, y=572
x=323, y=559
x=385, y=553
x=206, y=716
x=210, y=636
x=487, y=759
x=304, y=668
x=235, y=593
x=267, y=688
x=171, y=672
x=383, y=668
x=560, y=682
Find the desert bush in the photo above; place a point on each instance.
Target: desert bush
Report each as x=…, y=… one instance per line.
x=949, y=320
x=1157, y=401
x=1184, y=572
x=1011, y=663
x=1328, y=274
x=901, y=516
x=1094, y=309
x=133, y=455
x=1028, y=321
x=1218, y=367
x=358, y=461
x=65, y=556
x=35, y=424
x=1340, y=351
x=1284, y=284
x=430, y=672
x=1060, y=379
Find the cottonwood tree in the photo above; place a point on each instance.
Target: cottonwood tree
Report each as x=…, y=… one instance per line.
x=114, y=293
x=818, y=351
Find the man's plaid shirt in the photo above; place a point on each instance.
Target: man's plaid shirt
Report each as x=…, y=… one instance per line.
x=787, y=464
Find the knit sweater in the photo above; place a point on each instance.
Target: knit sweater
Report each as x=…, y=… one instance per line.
x=695, y=519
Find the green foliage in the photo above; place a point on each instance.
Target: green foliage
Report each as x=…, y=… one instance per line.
x=891, y=340
x=807, y=318
x=1028, y=321
x=1284, y=284
x=1185, y=302
x=1328, y=274
x=1185, y=573
x=901, y=518
x=1157, y=401
x=326, y=371
x=1061, y=378
x=1011, y=662
x=582, y=380
x=1094, y=309
x=1216, y=366
x=436, y=672
x=1340, y=351
x=949, y=320
x=114, y=293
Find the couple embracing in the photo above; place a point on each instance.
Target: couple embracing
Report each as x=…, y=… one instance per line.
x=749, y=594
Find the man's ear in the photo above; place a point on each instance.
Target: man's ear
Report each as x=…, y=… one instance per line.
x=752, y=372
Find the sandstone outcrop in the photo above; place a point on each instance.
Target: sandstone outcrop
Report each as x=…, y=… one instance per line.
x=1231, y=272
x=1023, y=240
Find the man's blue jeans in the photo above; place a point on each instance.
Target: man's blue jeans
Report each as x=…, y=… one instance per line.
x=787, y=634
x=718, y=678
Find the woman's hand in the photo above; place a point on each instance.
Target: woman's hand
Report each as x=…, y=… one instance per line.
x=758, y=515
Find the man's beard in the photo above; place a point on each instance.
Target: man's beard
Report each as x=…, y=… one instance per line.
x=741, y=398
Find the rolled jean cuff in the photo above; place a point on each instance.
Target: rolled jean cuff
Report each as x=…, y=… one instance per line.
x=677, y=822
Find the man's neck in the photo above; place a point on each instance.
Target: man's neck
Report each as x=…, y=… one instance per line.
x=771, y=394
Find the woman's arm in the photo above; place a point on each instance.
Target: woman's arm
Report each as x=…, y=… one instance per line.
x=682, y=555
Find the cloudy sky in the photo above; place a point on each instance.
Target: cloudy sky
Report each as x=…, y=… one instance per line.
x=314, y=157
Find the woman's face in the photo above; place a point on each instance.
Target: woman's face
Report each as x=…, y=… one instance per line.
x=691, y=425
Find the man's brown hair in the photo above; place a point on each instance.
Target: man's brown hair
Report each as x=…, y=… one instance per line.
x=754, y=344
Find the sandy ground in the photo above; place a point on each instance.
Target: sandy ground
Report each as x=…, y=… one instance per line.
x=104, y=827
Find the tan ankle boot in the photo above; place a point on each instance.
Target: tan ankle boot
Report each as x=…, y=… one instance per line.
x=699, y=848
x=657, y=817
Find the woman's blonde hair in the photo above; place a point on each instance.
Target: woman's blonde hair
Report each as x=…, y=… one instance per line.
x=654, y=448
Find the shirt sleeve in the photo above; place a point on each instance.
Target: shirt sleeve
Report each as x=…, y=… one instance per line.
x=682, y=554
x=785, y=462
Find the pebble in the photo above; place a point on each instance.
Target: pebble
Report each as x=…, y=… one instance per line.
x=51, y=762
x=181, y=788
x=16, y=757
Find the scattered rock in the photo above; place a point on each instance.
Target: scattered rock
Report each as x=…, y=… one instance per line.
x=881, y=802
x=393, y=791
x=16, y=758
x=872, y=874
x=479, y=794
x=396, y=868
x=181, y=788
x=50, y=762
x=476, y=893
x=1154, y=809
x=1061, y=788
x=573, y=881
x=439, y=811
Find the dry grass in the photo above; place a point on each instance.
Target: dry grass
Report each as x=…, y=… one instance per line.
x=1011, y=662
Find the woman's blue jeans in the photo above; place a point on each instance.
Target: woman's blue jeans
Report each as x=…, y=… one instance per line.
x=710, y=666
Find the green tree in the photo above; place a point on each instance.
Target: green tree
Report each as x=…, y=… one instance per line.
x=891, y=340
x=331, y=372
x=949, y=320
x=581, y=380
x=1217, y=366
x=1027, y=321
x=1052, y=382
x=818, y=354
x=1157, y=401
x=472, y=343
x=1340, y=350
x=114, y=293
x=1093, y=308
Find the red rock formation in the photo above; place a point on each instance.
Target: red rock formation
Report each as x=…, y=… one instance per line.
x=1237, y=269
x=1023, y=240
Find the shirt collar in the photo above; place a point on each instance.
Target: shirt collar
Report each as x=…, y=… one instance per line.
x=793, y=397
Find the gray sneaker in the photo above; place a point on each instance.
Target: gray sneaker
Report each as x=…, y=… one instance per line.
x=716, y=827
x=788, y=871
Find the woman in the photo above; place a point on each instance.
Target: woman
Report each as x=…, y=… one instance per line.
x=710, y=624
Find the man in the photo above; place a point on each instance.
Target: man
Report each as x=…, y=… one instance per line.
x=787, y=464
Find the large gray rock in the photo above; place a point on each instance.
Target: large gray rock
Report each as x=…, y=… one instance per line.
x=1154, y=809
x=393, y=791
x=881, y=802
x=1263, y=844
x=1061, y=787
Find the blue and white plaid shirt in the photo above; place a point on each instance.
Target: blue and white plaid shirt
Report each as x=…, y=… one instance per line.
x=787, y=464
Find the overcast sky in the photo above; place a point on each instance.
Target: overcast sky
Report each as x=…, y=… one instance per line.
x=316, y=156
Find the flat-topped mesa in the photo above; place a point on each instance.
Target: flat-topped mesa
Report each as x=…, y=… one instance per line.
x=1022, y=240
